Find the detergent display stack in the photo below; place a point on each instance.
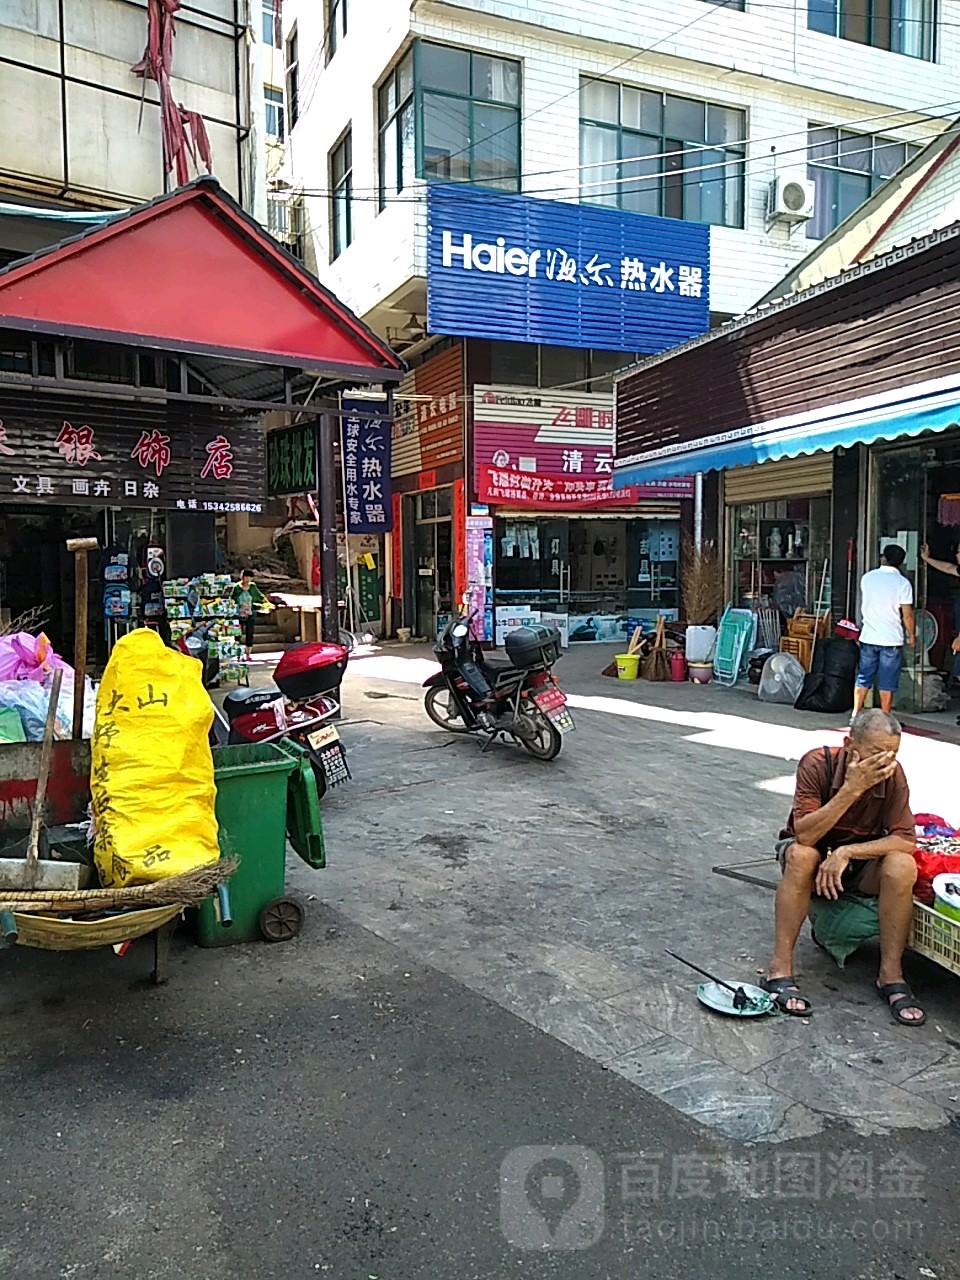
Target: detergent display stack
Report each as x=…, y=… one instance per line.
x=210, y=596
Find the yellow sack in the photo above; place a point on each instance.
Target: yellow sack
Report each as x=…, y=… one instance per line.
x=151, y=767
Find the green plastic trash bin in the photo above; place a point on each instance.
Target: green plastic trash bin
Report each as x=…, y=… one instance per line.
x=304, y=825
x=252, y=816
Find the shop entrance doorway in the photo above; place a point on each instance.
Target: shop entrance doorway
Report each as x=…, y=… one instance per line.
x=37, y=571
x=915, y=499
x=433, y=561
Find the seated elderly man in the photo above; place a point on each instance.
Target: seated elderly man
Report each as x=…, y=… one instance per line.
x=850, y=828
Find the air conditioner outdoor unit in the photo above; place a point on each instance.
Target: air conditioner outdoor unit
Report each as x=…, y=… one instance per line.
x=792, y=198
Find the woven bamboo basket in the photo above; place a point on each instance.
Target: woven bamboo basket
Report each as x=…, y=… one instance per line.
x=52, y=934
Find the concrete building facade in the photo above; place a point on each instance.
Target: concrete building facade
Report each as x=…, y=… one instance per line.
x=764, y=62
x=666, y=113
x=81, y=130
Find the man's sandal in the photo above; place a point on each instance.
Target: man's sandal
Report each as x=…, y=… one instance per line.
x=906, y=1001
x=784, y=990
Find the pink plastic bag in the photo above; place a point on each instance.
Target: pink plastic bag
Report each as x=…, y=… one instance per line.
x=27, y=657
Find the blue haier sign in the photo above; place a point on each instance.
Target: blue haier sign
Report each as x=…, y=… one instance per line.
x=570, y=275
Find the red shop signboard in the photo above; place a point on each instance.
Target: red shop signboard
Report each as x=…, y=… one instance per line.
x=553, y=450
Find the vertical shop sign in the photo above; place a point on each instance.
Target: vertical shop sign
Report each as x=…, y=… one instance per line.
x=480, y=575
x=397, y=550
x=366, y=439
x=459, y=541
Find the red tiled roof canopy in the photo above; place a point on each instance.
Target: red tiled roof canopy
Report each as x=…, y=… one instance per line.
x=191, y=272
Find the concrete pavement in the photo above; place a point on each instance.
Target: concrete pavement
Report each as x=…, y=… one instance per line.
x=509, y=1080
x=555, y=889
x=333, y=1107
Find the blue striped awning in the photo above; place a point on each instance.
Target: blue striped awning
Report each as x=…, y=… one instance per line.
x=766, y=442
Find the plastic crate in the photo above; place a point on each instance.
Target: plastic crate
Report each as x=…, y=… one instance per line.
x=935, y=937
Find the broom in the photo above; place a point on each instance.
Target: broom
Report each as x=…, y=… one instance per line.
x=635, y=641
x=188, y=890
x=656, y=666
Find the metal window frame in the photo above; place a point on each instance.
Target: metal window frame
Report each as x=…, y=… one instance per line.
x=281, y=110
x=342, y=189
x=929, y=35
x=268, y=8
x=877, y=180
x=291, y=76
x=418, y=95
x=737, y=155
x=334, y=26
x=395, y=115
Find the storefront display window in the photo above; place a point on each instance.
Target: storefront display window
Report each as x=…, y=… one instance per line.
x=598, y=573
x=781, y=554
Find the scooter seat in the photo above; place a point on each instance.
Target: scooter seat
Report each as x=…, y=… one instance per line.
x=241, y=701
x=494, y=663
x=501, y=672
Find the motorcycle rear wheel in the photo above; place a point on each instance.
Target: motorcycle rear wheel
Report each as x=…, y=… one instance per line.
x=546, y=741
x=440, y=706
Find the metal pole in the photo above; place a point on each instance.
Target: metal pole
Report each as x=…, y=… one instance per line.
x=330, y=618
x=698, y=512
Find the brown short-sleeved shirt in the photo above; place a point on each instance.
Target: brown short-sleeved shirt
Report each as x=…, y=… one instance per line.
x=884, y=811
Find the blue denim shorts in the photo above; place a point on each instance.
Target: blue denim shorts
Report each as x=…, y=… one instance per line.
x=881, y=663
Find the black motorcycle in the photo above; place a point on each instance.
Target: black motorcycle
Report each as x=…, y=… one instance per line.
x=516, y=696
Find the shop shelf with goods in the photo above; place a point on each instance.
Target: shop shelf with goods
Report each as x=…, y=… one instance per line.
x=778, y=551
x=189, y=601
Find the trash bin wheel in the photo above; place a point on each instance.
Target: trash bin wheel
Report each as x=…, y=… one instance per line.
x=281, y=920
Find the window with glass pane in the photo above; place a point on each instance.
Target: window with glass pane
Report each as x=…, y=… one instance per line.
x=468, y=116
x=902, y=26
x=336, y=27
x=847, y=168
x=395, y=136
x=273, y=108
x=341, y=196
x=514, y=363
x=560, y=366
x=293, y=77
x=729, y=4
x=661, y=154
x=270, y=32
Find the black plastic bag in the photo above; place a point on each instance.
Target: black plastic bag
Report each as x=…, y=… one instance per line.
x=825, y=693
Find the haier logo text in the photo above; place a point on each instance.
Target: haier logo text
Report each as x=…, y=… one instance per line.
x=495, y=258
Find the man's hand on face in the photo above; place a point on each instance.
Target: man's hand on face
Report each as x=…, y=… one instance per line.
x=866, y=772
x=829, y=882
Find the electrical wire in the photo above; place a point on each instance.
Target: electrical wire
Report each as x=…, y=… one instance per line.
x=756, y=165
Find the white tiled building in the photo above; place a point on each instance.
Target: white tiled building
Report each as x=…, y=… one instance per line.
x=770, y=63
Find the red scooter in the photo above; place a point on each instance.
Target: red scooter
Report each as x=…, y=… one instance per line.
x=299, y=706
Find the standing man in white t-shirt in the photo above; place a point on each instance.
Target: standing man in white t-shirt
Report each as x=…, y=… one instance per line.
x=886, y=607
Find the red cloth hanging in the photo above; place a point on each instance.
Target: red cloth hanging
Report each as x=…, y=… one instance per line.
x=948, y=509
x=183, y=132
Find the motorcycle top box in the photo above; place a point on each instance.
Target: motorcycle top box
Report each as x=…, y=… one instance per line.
x=307, y=670
x=537, y=645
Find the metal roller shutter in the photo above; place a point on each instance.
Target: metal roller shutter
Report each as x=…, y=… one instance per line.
x=792, y=478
